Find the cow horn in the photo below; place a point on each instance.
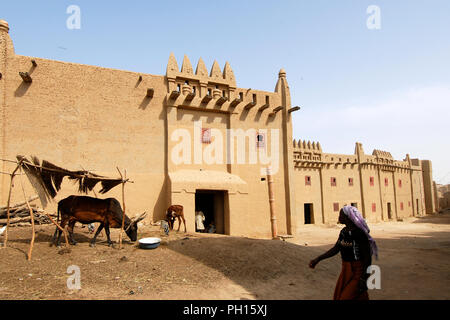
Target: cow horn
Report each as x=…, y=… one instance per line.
x=139, y=218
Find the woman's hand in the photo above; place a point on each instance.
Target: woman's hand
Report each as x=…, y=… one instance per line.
x=312, y=263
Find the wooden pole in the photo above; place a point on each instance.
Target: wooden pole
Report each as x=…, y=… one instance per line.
x=33, y=232
x=123, y=208
x=273, y=219
x=59, y=227
x=9, y=202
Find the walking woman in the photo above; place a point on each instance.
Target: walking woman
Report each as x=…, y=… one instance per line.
x=356, y=247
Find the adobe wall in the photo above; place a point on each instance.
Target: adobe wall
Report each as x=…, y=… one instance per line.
x=342, y=168
x=77, y=115
x=428, y=186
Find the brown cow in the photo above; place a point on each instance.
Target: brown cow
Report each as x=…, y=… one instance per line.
x=88, y=210
x=173, y=212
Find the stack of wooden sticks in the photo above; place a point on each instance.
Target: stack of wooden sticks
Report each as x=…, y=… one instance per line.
x=20, y=215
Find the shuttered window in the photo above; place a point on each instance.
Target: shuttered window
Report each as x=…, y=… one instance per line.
x=333, y=181
x=336, y=206
x=307, y=180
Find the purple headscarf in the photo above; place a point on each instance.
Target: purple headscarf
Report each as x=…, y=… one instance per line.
x=355, y=216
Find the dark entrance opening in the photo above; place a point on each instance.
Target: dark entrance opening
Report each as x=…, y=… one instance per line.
x=212, y=203
x=417, y=206
x=309, y=216
x=389, y=210
x=354, y=204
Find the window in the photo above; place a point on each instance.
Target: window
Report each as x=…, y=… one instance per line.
x=224, y=93
x=194, y=89
x=254, y=98
x=333, y=181
x=209, y=92
x=206, y=135
x=267, y=100
x=336, y=207
x=374, y=207
x=386, y=182
x=307, y=180
x=260, y=140
x=241, y=96
x=350, y=181
x=401, y=205
x=372, y=181
x=400, y=183
x=178, y=87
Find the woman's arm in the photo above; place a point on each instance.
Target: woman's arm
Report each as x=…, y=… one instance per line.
x=330, y=253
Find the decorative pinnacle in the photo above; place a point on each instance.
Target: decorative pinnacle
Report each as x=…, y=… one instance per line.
x=4, y=25
x=282, y=73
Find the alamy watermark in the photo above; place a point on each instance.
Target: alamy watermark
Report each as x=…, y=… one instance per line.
x=74, y=280
x=374, y=280
x=74, y=20
x=373, y=21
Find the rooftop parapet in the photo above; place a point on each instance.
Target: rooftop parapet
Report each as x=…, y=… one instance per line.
x=382, y=154
x=307, y=146
x=215, y=76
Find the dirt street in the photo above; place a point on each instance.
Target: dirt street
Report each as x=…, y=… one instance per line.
x=414, y=259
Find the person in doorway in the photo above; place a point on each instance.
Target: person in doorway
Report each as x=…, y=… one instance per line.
x=356, y=247
x=211, y=228
x=199, y=219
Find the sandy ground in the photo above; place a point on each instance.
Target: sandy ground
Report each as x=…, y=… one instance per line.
x=414, y=259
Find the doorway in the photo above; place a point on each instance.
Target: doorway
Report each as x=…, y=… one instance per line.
x=213, y=204
x=354, y=204
x=389, y=211
x=309, y=213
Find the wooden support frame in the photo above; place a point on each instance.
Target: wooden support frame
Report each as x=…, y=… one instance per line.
x=8, y=207
x=124, y=180
x=5, y=241
x=13, y=174
x=33, y=232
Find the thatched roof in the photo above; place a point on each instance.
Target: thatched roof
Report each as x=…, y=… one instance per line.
x=46, y=178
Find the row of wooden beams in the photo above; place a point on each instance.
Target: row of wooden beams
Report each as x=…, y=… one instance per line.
x=175, y=94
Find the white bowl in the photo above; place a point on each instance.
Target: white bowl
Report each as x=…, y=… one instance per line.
x=149, y=243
